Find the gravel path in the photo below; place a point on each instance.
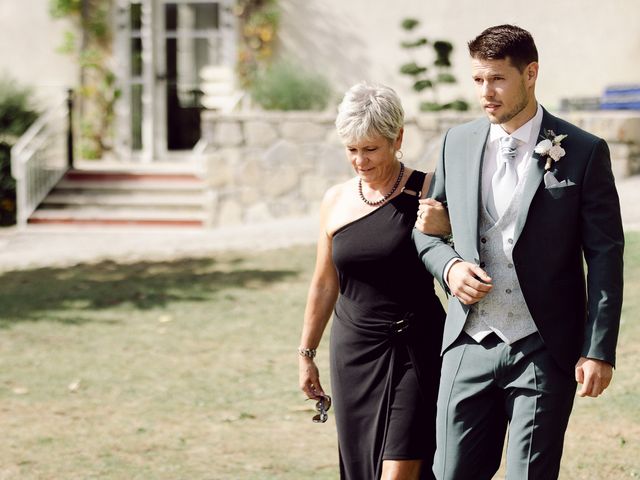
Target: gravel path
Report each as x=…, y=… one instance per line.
x=65, y=246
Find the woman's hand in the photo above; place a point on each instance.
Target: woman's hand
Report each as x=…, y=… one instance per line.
x=310, y=378
x=433, y=218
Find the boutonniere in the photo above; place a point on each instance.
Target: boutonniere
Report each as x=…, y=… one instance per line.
x=550, y=148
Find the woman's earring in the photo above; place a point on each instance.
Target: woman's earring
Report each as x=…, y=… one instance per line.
x=399, y=155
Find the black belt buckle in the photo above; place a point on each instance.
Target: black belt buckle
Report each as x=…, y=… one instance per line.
x=399, y=326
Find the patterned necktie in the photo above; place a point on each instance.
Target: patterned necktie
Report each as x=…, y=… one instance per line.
x=505, y=179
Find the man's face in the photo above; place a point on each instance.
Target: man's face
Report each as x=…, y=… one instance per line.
x=506, y=95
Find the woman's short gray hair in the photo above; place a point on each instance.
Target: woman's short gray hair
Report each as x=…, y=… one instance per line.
x=368, y=110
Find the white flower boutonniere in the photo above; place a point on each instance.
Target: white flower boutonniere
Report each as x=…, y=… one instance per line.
x=550, y=148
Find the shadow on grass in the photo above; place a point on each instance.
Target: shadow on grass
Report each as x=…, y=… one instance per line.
x=63, y=294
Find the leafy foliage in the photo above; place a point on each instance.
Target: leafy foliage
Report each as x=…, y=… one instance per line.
x=412, y=69
x=286, y=86
x=90, y=42
x=16, y=115
x=258, y=23
x=423, y=77
x=422, y=84
x=415, y=43
x=443, y=52
x=446, y=77
x=410, y=23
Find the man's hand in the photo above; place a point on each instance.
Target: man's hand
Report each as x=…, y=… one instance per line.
x=433, y=218
x=594, y=375
x=468, y=282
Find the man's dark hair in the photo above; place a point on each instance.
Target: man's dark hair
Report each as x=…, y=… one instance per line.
x=505, y=41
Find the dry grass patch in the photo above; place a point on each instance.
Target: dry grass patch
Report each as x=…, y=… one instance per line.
x=187, y=370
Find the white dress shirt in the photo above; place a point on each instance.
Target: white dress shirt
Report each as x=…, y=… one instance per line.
x=527, y=136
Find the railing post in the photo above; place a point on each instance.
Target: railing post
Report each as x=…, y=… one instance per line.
x=70, y=128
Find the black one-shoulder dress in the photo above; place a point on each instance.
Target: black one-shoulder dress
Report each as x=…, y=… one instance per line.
x=385, y=342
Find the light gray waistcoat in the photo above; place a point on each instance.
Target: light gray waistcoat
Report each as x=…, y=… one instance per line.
x=504, y=310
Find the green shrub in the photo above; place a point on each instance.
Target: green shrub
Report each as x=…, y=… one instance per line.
x=16, y=115
x=427, y=74
x=286, y=86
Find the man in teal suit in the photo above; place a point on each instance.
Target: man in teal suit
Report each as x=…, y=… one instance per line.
x=529, y=197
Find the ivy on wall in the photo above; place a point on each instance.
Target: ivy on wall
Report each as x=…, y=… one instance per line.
x=258, y=24
x=90, y=43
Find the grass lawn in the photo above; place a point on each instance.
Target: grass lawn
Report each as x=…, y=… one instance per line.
x=188, y=370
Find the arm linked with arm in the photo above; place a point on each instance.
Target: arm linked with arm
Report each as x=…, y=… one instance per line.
x=434, y=251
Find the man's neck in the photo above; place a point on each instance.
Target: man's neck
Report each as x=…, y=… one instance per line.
x=521, y=118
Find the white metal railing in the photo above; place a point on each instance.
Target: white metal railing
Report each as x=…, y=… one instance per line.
x=39, y=159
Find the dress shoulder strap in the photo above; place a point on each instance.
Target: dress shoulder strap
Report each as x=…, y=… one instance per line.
x=414, y=184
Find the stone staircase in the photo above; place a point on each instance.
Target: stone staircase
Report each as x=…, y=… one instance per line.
x=125, y=198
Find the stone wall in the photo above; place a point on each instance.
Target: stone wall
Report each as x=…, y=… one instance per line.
x=267, y=165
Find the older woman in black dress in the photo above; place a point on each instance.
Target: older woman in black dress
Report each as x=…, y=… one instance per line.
x=387, y=327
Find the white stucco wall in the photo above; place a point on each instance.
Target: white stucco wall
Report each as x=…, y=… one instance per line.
x=29, y=38
x=584, y=45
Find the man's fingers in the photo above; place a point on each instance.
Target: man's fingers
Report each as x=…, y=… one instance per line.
x=591, y=386
x=473, y=292
x=481, y=274
x=594, y=375
x=586, y=386
x=468, y=282
x=466, y=298
x=431, y=202
x=474, y=289
x=596, y=386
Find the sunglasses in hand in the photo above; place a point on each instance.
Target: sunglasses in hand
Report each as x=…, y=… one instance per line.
x=322, y=407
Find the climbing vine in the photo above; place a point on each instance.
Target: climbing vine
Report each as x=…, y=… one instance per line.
x=258, y=25
x=90, y=43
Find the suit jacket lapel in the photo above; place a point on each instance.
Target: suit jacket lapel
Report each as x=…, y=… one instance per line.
x=535, y=173
x=475, y=152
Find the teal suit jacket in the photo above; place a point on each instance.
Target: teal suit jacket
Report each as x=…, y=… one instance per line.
x=555, y=230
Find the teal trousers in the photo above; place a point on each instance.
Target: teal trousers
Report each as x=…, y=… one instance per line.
x=489, y=388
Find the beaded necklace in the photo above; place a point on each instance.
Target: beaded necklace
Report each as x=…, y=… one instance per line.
x=386, y=196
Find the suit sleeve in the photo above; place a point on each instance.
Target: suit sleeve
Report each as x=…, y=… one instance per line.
x=603, y=245
x=434, y=252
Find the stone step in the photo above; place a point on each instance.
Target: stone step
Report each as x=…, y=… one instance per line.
x=125, y=197
x=100, y=216
x=118, y=175
x=129, y=184
x=120, y=199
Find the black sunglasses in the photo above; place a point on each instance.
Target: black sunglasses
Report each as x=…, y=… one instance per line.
x=322, y=406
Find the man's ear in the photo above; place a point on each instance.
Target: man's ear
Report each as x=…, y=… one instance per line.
x=532, y=71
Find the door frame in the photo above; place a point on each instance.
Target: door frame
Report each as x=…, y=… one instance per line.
x=147, y=142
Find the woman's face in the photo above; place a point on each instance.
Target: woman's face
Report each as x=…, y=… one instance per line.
x=373, y=159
